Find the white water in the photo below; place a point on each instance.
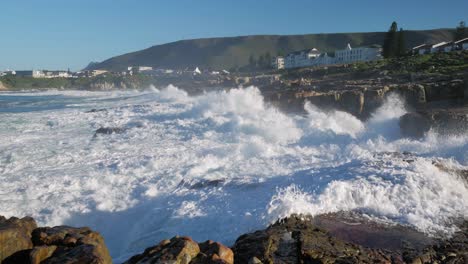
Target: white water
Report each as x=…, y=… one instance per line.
x=135, y=187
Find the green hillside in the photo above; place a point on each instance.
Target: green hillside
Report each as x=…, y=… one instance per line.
x=225, y=53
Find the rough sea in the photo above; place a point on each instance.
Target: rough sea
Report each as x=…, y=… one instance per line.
x=216, y=165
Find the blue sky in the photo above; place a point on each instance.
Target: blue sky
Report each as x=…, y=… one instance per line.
x=60, y=34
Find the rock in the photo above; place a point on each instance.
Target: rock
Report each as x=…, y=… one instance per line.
x=39, y=254
x=178, y=250
x=296, y=240
x=73, y=245
x=109, y=130
x=414, y=125
x=214, y=253
x=15, y=235
x=442, y=120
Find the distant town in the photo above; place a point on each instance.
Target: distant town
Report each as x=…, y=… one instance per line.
x=299, y=59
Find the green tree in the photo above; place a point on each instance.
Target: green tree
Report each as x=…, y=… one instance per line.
x=252, y=62
x=461, y=32
x=390, y=46
x=267, y=59
x=401, y=43
x=261, y=61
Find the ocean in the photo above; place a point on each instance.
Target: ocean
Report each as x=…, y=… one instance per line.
x=216, y=165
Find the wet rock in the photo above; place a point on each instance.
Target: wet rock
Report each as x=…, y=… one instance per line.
x=441, y=120
x=72, y=245
x=109, y=130
x=414, y=125
x=297, y=240
x=15, y=235
x=178, y=250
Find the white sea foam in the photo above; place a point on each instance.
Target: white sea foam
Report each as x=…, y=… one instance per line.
x=215, y=166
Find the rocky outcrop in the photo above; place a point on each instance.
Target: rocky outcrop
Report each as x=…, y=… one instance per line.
x=445, y=121
x=183, y=250
x=15, y=235
x=297, y=240
x=22, y=242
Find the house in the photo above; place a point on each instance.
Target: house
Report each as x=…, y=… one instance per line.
x=278, y=62
x=439, y=47
x=301, y=58
x=421, y=49
x=461, y=44
x=351, y=55
x=144, y=68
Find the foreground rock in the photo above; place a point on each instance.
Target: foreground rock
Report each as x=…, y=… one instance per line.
x=15, y=235
x=296, y=240
x=183, y=250
x=22, y=242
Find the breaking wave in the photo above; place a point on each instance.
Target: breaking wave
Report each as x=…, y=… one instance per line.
x=216, y=165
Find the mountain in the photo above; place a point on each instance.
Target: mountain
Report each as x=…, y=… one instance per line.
x=228, y=52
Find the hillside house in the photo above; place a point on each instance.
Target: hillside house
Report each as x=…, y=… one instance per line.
x=301, y=58
x=277, y=62
x=351, y=55
x=421, y=49
x=461, y=44
x=439, y=47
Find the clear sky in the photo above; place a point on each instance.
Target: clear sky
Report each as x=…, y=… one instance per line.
x=61, y=34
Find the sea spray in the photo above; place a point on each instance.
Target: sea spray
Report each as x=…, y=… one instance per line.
x=216, y=165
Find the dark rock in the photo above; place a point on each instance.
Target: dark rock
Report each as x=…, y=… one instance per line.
x=414, y=125
x=297, y=240
x=441, y=120
x=15, y=235
x=109, y=130
x=178, y=250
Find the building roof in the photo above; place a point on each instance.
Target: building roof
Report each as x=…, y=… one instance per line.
x=461, y=41
x=439, y=44
x=422, y=46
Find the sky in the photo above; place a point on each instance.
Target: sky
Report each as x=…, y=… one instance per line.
x=61, y=34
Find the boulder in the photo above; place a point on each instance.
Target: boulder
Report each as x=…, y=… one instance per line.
x=214, y=253
x=15, y=235
x=414, y=125
x=178, y=250
x=109, y=130
x=63, y=244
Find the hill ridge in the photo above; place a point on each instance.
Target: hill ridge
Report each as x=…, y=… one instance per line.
x=234, y=51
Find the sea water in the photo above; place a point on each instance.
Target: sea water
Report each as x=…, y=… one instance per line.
x=216, y=165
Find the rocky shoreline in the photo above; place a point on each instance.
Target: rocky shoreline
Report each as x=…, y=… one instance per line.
x=336, y=238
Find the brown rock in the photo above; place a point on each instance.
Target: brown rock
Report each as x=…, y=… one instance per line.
x=74, y=245
x=296, y=240
x=15, y=235
x=214, y=253
x=39, y=254
x=178, y=250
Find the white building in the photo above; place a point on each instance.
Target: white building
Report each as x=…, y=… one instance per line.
x=301, y=58
x=438, y=47
x=421, y=49
x=278, y=62
x=145, y=68
x=351, y=55
x=461, y=44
